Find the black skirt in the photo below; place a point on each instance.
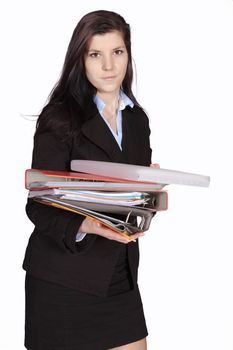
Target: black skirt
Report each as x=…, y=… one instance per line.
x=60, y=318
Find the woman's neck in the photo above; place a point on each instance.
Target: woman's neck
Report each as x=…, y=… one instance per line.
x=111, y=100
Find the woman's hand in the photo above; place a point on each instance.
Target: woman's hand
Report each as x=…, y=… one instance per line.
x=93, y=226
x=155, y=165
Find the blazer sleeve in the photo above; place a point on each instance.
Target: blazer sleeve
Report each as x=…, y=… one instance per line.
x=51, y=153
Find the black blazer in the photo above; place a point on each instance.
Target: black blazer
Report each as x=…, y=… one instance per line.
x=52, y=253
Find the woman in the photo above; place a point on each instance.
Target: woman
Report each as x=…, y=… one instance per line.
x=81, y=281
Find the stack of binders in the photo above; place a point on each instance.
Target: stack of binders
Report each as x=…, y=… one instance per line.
x=123, y=197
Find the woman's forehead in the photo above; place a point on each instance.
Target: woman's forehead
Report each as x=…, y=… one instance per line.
x=111, y=40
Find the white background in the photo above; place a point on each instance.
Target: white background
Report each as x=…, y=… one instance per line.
x=184, y=55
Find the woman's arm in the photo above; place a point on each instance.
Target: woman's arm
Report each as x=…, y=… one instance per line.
x=51, y=153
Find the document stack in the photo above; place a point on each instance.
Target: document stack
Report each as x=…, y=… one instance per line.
x=123, y=197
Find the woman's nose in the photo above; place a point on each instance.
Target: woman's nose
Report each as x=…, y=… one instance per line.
x=107, y=63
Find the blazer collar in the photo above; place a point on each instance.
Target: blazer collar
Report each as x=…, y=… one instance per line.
x=96, y=130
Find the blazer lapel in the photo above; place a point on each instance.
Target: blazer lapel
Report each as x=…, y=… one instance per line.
x=98, y=132
x=129, y=137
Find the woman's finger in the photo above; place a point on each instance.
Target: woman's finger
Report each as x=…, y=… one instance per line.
x=155, y=165
x=111, y=234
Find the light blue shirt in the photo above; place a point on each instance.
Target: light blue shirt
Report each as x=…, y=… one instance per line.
x=124, y=101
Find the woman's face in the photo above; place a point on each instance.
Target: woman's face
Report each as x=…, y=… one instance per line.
x=106, y=61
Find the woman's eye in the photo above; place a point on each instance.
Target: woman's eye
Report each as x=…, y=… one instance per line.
x=119, y=52
x=97, y=54
x=94, y=54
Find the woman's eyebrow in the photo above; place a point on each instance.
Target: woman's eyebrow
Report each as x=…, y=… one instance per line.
x=116, y=48
x=94, y=50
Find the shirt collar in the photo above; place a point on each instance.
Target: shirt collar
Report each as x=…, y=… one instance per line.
x=124, y=102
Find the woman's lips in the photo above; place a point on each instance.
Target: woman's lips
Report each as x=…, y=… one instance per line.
x=109, y=77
